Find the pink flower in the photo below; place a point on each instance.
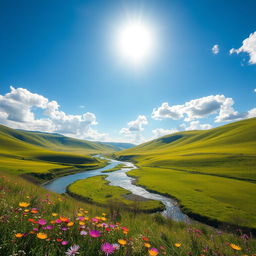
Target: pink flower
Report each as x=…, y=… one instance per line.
x=64, y=242
x=42, y=222
x=58, y=221
x=94, y=233
x=73, y=250
x=108, y=248
x=49, y=227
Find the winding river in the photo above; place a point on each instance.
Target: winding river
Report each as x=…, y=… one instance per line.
x=120, y=178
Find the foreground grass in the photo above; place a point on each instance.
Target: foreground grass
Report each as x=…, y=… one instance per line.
x=96, y=190
x=21, y=231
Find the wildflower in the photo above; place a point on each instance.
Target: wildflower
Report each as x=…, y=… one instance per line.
x=235, y=247
x=54, y=214
x=94, y=233
x=42, y=222
x=19, y=235
x=49, y=227
x=64, y=219
x=116, y=246
x=41, y=235
x=83, y=233
x=24, y=204
x=34, y=210
x=104, y=214
x=148, y=245
x=145, y=239
x=177, y=245
x=107, y=248
x=58, y=221
x=153, y=252
x=122, y=241
x=73, y=250
x=70, y=224
x=64, y=242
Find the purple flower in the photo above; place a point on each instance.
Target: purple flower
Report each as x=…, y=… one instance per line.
x=94, y=233
x=73, y=250
x=108, y=248
x=116, y=246
x=49, y=227
x=42, y=222
x=64, y=228
x=64, y=242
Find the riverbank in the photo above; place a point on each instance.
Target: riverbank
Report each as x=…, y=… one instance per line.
x=96, y=190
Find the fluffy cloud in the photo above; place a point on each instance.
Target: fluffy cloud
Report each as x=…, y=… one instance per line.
x=201, y=108
x=17, y=110
x=248, y=46
x=196, y=125
x=159, y=132
x=134, y=129
x=215, y=49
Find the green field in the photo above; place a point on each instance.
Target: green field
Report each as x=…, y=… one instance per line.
x=96, y=190
x=212, y=173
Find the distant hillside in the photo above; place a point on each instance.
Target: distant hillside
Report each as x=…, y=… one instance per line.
x=117, y=146
x=229, y=147
x=28, y=151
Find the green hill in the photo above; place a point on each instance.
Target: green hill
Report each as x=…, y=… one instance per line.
x=212, y=172
x=37, y=152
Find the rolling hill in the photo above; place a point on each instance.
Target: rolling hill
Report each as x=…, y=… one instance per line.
x=212, y=173
x=37, y=152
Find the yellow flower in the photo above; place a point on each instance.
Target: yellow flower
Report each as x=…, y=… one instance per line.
x=81, y=223
x=153, y=252
x=79, y=214
x=23, y=204
x=122, y=241
x=235, y=247
x=41, y=235
x=19, y=235
x=26, y=210
x=70, y=224
x=86, y=218
x=104, y=214
x=54, y=214
x=148, y=245
x=177, y=245
x=103, y=218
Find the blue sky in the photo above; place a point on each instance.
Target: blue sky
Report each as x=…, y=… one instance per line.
x=61, y=60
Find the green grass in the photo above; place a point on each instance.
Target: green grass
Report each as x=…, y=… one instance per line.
x=96, y=190
x=212, y=173
x=196, y=239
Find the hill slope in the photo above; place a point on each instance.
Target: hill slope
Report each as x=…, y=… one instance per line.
x=211, y=173
x=224, y=150
x=24, y=151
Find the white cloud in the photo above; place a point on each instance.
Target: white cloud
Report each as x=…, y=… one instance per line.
x=134, y=129
x=248, y=46
x=17, y=110
x=215, y=49
x=196, y=125
x=254, y=90
x=201, y=108
x=159, y=132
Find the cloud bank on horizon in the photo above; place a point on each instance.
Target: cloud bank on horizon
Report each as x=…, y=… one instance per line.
x=19, y=110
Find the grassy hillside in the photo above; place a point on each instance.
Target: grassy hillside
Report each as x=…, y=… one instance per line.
x=212, y=173
x=35, y=221
x=35, y=152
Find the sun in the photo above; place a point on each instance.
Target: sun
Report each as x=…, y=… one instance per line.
x=135, y=42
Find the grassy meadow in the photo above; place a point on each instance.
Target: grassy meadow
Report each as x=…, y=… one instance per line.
x=96, y=190
x=211, y=173
x=37, y=222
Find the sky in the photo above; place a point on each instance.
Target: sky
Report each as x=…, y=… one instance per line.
x=62, y=68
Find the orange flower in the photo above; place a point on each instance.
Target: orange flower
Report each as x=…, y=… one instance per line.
x=64, y=219
x=24, y=204
x=41, y=235
x=148, y=245
x=235, y=247
x=177, y=245
x=34, y=211
x=70, y=224
x=19, y=235
x=122, y=241
x=153, y=252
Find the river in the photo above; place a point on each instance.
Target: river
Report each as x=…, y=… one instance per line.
x=120, y=178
